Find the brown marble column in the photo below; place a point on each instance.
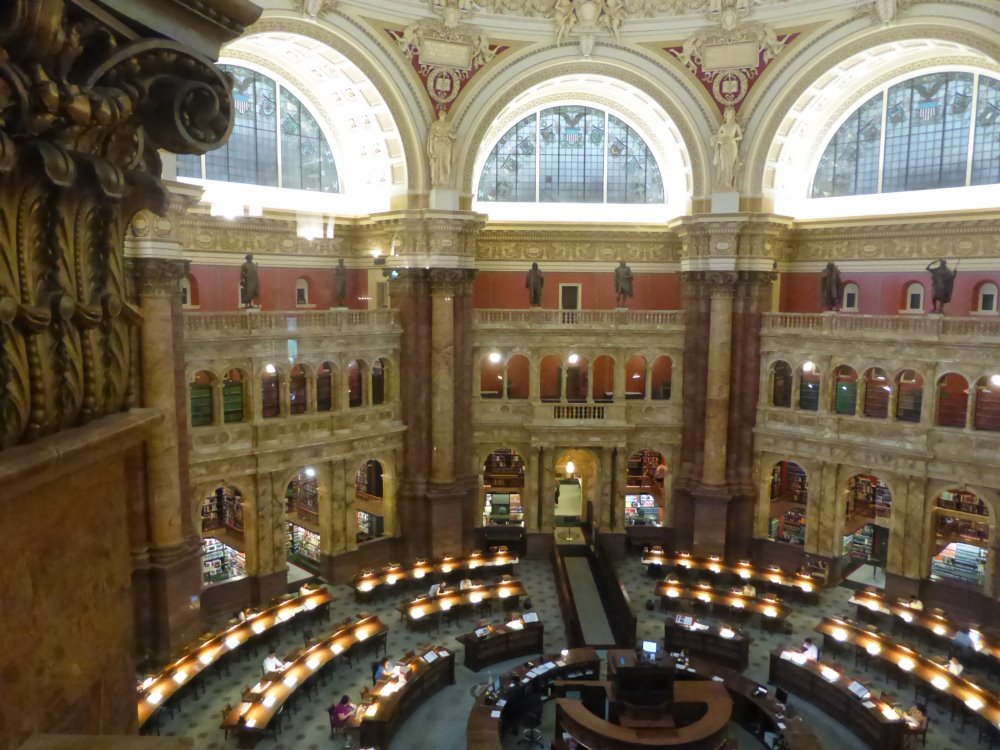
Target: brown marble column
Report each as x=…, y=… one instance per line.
x=174, y=545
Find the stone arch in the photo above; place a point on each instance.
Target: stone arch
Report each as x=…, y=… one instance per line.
x=374, y=57
x=771, y=113
x=666, y=85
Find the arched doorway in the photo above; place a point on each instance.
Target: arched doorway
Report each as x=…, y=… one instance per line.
x=575, y=494
x=369, y=496
x=302, y=531
x=789, y=503
x=867, y=514
x=961, y=538
x=645, y=474
x=503, y=497
x=223, y=555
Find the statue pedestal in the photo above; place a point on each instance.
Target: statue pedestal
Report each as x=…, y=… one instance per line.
x=621, y=309
x=443, y=200
x=725, y=203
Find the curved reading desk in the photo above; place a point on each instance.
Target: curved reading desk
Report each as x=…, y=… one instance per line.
x=370, y=581
x=487, y=720
x=156, y=690
x=744, y=569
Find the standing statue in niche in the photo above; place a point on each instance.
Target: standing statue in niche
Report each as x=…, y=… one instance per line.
x=534, y=282
x=942, y=283
x=623, y=284
x=249, y=281
x=440, y=140
x=340, y=282
x=831, y=287
x=727, y=151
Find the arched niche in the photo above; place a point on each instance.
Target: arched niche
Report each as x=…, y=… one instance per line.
x=298, y=390
x=518, y=377
x=809, y=386
x=663, y=373
x=909, y=396
x=646, y=474
x=491, y=375
x=603, y=379
x=302, y=522
x=550, y=378
x=867, y=514
x=962, y=532
x=270, y=392
x=370, y=502
x=845, y=391
x=635, y=377
x=878, y=390
x=325, y=390
x=781, y=384
x=789, y=503
x=503, y=489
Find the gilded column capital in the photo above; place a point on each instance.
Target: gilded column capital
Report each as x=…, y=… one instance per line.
x=157, y=277
x=410, y=281
x=451, y=281
x=709, y=283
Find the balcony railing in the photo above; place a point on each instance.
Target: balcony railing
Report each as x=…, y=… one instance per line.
x=578, y=412
x=603, y=319
x=251, y=323
x=918, y=327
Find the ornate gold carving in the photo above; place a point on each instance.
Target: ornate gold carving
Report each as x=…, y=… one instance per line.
x=562, y=245
x=453, y=281
x=84, y=108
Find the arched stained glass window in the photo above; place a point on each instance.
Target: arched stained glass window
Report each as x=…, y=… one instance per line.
x=252, y=155
x=571, y=154
x=915, y=136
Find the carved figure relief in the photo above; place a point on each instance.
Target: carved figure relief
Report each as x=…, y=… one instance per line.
x=445, y=52
x=314, y=8
x=729, y=57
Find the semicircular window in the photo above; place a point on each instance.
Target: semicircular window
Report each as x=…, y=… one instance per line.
x=571, y=154
x=276, y=142
x=938, y=130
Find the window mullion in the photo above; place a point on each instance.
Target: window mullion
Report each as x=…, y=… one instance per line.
x=882, y=139
x=605, y=157
x=538, y=156
x=971, y=152
x=277, y=129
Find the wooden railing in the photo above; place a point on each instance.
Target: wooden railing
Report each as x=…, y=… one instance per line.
x=567, y=604
x=617, y=605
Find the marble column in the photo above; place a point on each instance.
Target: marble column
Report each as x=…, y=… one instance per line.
x=605, y=499
x=174, y=545
x=442, y=378
x=546, y=500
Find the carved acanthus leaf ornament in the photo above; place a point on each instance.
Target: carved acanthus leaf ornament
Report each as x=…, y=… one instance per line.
x=83, y=109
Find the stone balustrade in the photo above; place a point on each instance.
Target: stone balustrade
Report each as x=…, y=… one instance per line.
x=940, y=328
x=603, y=320
x=258, y=324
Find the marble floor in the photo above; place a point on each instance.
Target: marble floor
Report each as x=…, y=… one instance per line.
x=440, y=723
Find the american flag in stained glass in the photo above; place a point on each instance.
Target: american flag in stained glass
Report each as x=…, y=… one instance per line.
x=572, y=136
x=927, y=110
x=241, y=102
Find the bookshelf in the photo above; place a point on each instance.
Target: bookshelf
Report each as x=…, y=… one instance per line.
x=965, y=502
x=789, y=527
x=503, y=509
x=876, y=400
x=232, y=401
x=987, y=414
x=867, y=497
x=370, y=526
x=220, y=562
x=223, y=509
x=789, y=483
x=303, y=498
x=368, y=480
x=963, y=563
x=504, y=469
x=303, y=546
x=846, y=397
x=641, y=468
x=641, y=510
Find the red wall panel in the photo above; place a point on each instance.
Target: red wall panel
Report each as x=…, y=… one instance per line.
x=217, y=288
x=883, y=293
x=506, y=290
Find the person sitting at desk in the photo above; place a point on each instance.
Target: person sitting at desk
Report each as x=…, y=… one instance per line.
x=748, y=590
x=435, y=589
x=955, y=666
x=916, y=722
x=273, y=664
x=244, y=614
x=915, y=604
x=384, y=669
x=809, y=650
x=340, y=717
x=465, y=583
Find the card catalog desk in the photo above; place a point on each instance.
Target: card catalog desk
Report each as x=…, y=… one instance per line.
x=486, y=721
x=431, y=669
x=156, y=690
x=502, y=642
x=262, y=702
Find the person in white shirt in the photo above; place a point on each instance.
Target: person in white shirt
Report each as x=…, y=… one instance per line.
x=434, y=589
x=955, y=666
x=466, y=583
x=809, y=650
x=273, y=664
x=915, y=604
